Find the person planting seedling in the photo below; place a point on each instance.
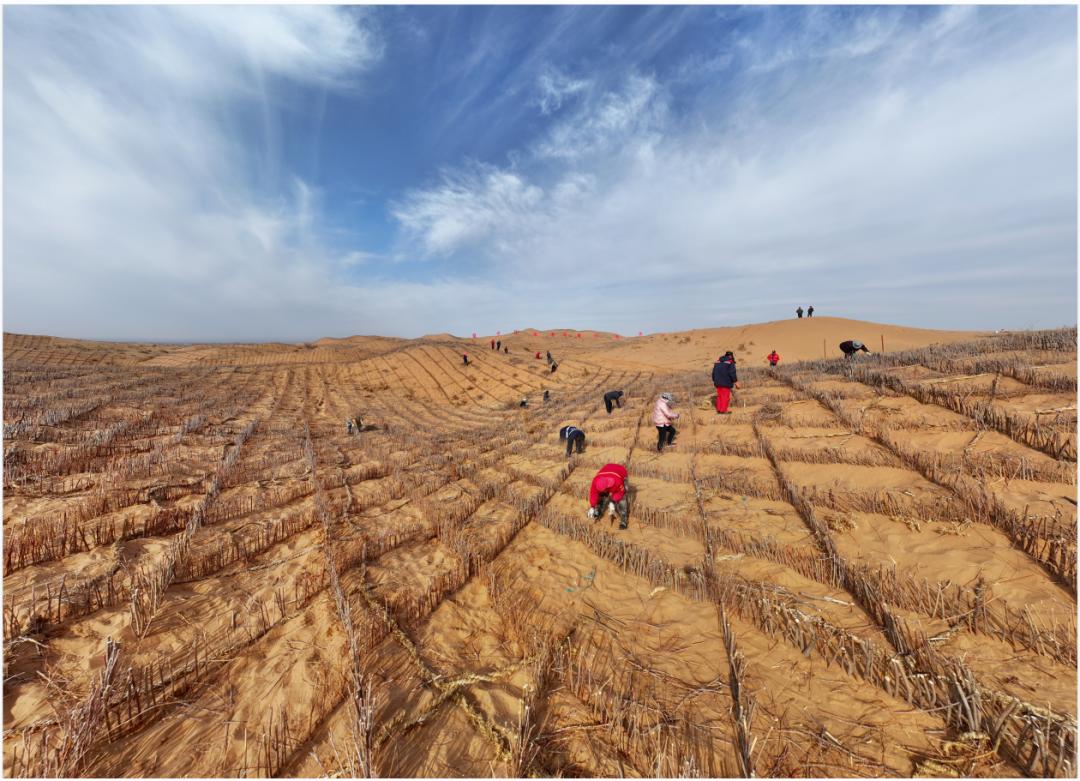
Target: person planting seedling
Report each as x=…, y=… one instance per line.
x=613, y=398
x=608, y=491
x=851, y=346
x=573, y=435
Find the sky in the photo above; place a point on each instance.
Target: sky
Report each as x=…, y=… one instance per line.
x=266, y=173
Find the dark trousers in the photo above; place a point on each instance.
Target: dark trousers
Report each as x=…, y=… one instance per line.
x=607, y=404
x=622, y=509
x=664, y=432
x=579, y=438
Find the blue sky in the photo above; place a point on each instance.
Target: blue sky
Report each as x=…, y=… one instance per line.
x=265, y=173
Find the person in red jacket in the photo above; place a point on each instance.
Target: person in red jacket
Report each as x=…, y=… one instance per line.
x=608, y=491
x=773, y=358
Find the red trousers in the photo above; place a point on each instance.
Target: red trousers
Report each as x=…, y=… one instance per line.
x=723, y=397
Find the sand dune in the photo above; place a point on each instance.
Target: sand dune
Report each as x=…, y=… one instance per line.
x=867, y=569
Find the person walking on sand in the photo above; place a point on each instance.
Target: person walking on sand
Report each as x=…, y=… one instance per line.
x=547, y=396
x=465, y=358
x=498, y=345
x=608, y=491
x=810, y=311
x=773, y=358
x=799, y=312
x=613, y=398
x=573, y=435
x=349, y=426
x=549, y=358
x=492, y=344
x=554, y=366
x=724, y=378
x=506, y=350
x=662, y=417
x=851, y=346
x=538, y=355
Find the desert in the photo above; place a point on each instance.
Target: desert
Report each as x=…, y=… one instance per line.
x=363, y=556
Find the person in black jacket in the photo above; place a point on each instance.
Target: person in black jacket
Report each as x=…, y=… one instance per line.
x=810, y=311
x=724, y=378
x=613, y=397
x=572, y=435
x=850, y=347
x=799, y=312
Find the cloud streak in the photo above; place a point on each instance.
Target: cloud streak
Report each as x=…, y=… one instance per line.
x=144, y=194
x=702, y=167
x=872, y=190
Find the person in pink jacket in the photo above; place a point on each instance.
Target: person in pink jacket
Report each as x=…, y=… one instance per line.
x=662, y=417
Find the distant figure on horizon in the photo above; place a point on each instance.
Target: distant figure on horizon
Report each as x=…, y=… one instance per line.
x=492, y=344
x=608, y=492
x=573, y=435
x=662, y=417
x=724, y=378
x=851, y=346
x=810, y=311
x=498, y=345
x=613, y=397
x=465, y=358
x=799, y=312
x=773, y=358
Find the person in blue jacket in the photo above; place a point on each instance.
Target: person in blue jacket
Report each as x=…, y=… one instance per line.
x=724, y=378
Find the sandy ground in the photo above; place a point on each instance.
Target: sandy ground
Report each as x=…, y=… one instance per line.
x=207, y=574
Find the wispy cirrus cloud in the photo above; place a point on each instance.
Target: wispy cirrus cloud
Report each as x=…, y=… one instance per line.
x=620, y=167
x=950, y=146
x=145, y=187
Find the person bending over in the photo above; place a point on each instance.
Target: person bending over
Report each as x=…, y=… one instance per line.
x=608, y=491
x=573, y=435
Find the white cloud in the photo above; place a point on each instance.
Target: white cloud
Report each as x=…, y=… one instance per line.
x=467, y=207
x=144, y=193
x=635, y=109
x=555, y=88
x=874, y=181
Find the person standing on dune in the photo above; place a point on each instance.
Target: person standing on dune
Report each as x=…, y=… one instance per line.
x=799, y=312
x=492, y=344
x=810, y=311
x=465, y=358
x=724, y=378
x=608, y=491
x=662, y=417
x=773, y=358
